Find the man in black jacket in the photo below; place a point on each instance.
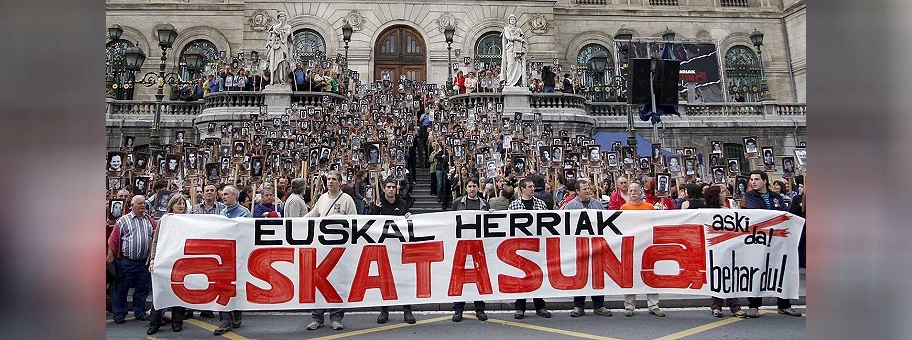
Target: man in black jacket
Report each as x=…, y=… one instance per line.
x=548, y=79
x=390, y=204
x=762, y=197
x=471, y=201
x=540, y=192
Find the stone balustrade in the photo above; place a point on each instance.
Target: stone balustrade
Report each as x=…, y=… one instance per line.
x=316, y=98
x=791, y=109
x=476, y=99
x=558, y=101
x=147, y=107
x=233, y=99
x=618, y=109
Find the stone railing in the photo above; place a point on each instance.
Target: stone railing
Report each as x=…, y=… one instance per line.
x=721, y=109
x=791, y=109
x=614, y=109
x=147, y=107
x=234, y=99
x=558, y=101
x=476, y=99
x=316, y=98
x=591, y=2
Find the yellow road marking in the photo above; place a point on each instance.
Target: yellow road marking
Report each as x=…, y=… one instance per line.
x=546, y=329
x=125, y=319
x=210, y=327
x=706, y=327
x=379, y=329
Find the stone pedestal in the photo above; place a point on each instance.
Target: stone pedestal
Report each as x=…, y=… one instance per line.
x=277, y=97
x=516, y=99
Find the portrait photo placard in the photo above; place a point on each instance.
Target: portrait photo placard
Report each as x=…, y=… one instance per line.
x=751, y=150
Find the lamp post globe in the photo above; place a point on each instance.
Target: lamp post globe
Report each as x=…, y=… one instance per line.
x=114, y=32
x=448, y=33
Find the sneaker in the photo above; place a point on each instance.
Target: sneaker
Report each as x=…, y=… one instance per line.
x=519, y=314
x=543, y=313
x=736, y=311
x=222, y=329
x=602, y=311
x=207, y=314
x=118, y=320
x=481, y=316
x=577, y=312
x=740, y=314
x=789, y=311
x=314, y=325
x=657, y=312
x=408, y=317
x=457, y=317
x=337, y=325
x=716, y=312
x=628, y=312
x=383, y=317
x=753, y=313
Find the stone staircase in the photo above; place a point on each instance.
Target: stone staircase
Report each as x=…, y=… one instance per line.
x=421, y=192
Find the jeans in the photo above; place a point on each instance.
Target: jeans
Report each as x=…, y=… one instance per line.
x=538, y=302
x=549, y=89
x=135, y=273
x=360, y=207
x=460, y=306
x=226, y=318
x=652, y=301
x=598, y=301
x=334, y=314
x=440, y=184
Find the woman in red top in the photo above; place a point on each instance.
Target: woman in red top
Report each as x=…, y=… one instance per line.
x=460, y=82
x=666, y=203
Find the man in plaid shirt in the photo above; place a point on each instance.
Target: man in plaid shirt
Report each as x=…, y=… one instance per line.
x=529, y=202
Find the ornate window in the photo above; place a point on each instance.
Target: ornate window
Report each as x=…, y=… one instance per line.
x=114, y=67
x=588, y=77
x=742, y=73
x=306, y=43
x=210, y=55
x=489, y=49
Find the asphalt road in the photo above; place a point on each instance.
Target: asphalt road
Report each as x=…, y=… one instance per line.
x=680, y=323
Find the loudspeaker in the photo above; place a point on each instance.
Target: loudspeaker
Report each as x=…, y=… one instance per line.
x=638, y=84
x=668, y=75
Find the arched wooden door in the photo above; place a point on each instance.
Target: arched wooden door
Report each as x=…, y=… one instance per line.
x=400, y=51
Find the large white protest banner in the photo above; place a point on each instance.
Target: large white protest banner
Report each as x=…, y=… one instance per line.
x=214, y=263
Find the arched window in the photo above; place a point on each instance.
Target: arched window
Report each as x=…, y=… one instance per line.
x=590, y=77
x=742, y=73
x=306, y=44
x=210, y=58
x=114, y=66
x=489, y=49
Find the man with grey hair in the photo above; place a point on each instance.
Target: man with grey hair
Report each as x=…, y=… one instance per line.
x=130, y=244
x=232, y=319
x=295, y=205
x=332, y=202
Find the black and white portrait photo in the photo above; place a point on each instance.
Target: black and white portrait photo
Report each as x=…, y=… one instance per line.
x=373, y=153
x=768, y=157
x=629, y=155
x=142, y=160
x=191, y=159
x=210, y=128
x=690, y=166
x=128, y=163
x=128, y=142
x=172, y=164
x=656, y=153
x=734, y=167
x=115, y=161
x=801, y=156
x=114, y=183
x=616, y=146
x=115, y=209
x=674, y=164
x=612, y=159
x=716, y=147
x=662, y=184
x=256, y=166
x=225, y=165
x=718, y=175
x=788, y=166
x=643, y=164
x=715, y=160
x=741, y=187
x=140, y=185
x=239, y=149
x=557, y=154
x=519, y=164
x=595, y=154
x=212, y=172
x=750, y=147
x=178, y=137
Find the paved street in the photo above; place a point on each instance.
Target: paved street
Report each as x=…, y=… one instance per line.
x=680, y=323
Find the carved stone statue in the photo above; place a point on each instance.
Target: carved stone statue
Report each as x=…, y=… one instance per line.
x=277, y=51
x=513, y=67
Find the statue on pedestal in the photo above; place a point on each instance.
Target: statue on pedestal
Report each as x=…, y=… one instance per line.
x=513, y=67
x=277, y=50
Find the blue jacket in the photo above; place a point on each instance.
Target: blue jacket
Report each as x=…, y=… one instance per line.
x=235, y=210
x=753, y=200
x=261, y=209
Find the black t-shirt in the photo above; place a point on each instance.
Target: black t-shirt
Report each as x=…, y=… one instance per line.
x=472, y=204
x=530, y=205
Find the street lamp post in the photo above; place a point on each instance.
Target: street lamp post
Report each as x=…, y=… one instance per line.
x=757, y=39
x=114, y=33
x=134, y=58
x=448, y=34
x=346, y=37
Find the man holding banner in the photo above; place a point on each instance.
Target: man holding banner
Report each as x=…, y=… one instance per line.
x=527, y=201
x=636, y=202
x=392, y=205
x=470, y=201
x=583, y=201
x=761, y=197
x=232, y=319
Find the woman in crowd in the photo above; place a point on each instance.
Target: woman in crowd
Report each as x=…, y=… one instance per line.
x=713, y=198
x=694, y=197
x=177, y=204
